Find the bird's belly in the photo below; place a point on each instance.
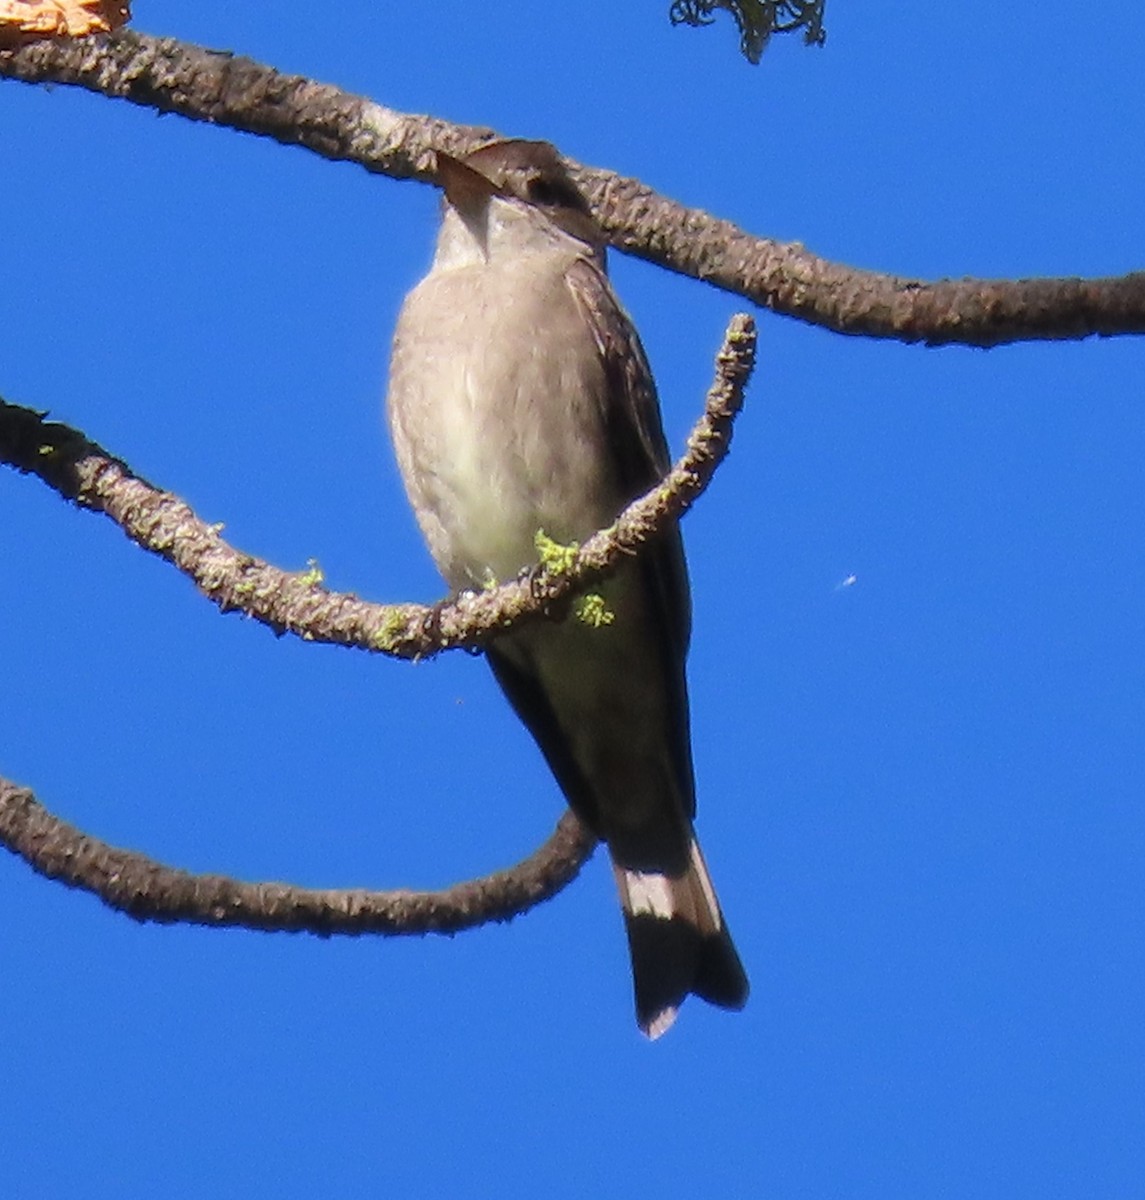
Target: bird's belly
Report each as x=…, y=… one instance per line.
x=508, y=438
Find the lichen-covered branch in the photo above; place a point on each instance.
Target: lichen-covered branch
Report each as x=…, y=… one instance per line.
x=161, y=523
x=757, y=20
x=149, y=891
x=226, y=89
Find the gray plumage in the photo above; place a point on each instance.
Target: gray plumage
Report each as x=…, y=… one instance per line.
x=520, y=400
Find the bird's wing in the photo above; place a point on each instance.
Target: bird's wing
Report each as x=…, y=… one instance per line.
x=630, y=416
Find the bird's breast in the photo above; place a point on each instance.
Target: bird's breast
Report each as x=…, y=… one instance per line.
x=497, y=400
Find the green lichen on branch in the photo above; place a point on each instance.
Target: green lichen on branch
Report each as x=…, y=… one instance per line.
x=389, y=631
x=313, y=575
x=592, y=609
x=555, y=557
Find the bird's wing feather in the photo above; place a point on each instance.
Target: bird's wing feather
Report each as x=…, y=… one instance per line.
x=631, y=419
x=635, y=435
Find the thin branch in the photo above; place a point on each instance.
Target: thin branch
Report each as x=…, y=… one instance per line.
x=163, y=524
x=224, y=89
x=149, y=891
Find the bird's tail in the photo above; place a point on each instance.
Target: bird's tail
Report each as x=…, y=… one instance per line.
x=678, y=942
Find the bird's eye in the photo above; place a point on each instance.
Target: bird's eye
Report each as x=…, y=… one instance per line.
x=542, y=191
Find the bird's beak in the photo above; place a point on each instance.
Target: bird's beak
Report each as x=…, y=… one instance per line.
x=466, y=189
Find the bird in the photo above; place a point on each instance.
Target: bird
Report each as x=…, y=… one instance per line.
x=521, y=404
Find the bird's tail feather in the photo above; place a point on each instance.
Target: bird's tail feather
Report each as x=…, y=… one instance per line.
x=678, y=942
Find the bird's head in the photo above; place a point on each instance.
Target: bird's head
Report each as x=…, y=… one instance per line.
x=514, y=194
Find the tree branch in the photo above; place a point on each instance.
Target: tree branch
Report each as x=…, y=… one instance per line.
x=149, y=891
x=757, y=20
x=296, y=602
x=225, y=89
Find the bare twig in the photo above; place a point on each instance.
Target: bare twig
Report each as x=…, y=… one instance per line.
x=89, y=476
x=149, y=891
x=225, y=89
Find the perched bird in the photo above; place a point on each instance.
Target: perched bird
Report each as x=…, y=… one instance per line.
x=520, y=401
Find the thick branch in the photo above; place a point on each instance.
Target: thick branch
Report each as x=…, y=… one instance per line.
x=150, y=891
x=163, y=524
x=204, y=85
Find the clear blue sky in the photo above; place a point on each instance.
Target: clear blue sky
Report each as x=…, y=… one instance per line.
x=920, y=795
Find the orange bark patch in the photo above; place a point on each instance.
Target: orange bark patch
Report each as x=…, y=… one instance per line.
x=24, y=19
